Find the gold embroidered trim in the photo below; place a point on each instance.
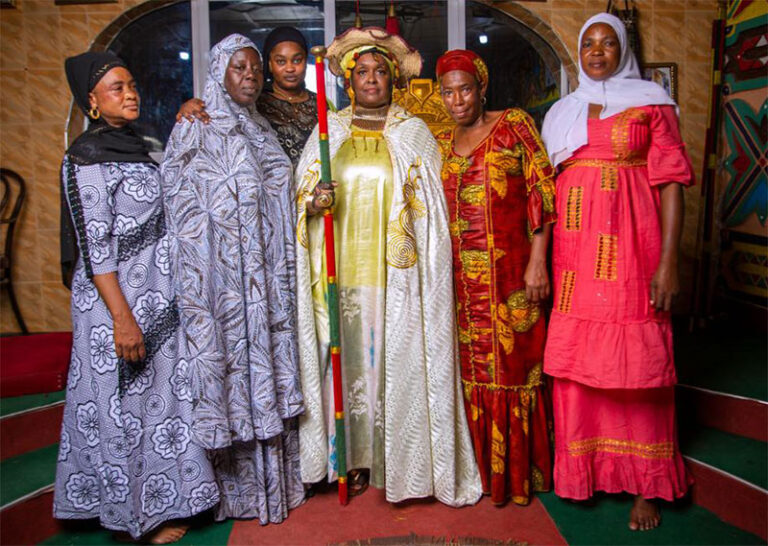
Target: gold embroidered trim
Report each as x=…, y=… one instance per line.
x=454, y=165
x=533, y=381
x=308, y=183
x=533, y=377
x=604, y=163
x=607, y=251
x=620, y=133
x=518, y=312
x=476, y=265
x=573, y=209
x=567, y=284
x=503, y=163
x=401, y=235
x=458, y=227
x=498, y=450
x=663, y=450
x=609, y=178
x=474, y=195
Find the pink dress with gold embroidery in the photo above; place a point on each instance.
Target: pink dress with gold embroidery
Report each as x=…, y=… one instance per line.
x=608, y=348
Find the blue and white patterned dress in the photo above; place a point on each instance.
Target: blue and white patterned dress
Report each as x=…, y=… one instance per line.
x=126, y=454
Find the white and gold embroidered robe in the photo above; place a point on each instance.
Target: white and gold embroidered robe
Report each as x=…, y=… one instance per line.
x=426, y=445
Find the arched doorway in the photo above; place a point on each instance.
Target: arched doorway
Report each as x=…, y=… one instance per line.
x=165, y=42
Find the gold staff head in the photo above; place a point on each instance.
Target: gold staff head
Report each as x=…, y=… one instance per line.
x=318, y=51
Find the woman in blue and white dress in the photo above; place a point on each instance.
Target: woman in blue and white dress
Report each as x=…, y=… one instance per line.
x=126, y=455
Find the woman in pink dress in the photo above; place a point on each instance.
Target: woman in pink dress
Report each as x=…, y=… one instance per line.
x=619, y=202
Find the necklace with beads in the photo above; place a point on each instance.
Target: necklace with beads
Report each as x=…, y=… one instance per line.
x=372, y=119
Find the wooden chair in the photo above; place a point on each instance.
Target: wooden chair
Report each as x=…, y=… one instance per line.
x=14, y=192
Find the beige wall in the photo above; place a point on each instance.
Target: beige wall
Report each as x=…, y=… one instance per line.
x=34, y=100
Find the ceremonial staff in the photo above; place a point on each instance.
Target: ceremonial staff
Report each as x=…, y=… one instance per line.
x=330, y=266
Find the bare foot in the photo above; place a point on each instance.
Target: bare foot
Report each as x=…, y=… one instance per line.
x=644, y=515
x=168, y=533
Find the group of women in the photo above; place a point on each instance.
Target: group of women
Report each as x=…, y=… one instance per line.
x=200, y=373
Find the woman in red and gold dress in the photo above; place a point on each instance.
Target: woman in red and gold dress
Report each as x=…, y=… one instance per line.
x=619, y=200
x=499, y=188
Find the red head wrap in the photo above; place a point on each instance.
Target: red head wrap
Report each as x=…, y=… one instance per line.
x=464, y=60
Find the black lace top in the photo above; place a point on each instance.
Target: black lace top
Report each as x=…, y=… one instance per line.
x=293, y=122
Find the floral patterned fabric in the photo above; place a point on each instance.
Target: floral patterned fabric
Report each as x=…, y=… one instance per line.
x=125, y=454
x=497, y=196
x=231, y=218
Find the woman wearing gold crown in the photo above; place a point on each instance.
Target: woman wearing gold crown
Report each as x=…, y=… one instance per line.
x=405, y=423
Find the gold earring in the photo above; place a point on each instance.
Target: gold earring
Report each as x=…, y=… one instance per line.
x=94, y=113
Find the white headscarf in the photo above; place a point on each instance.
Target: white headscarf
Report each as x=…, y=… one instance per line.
x=218, y=103
x=565, y=125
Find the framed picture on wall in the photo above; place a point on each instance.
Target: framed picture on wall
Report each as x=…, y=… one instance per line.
x=665, y=74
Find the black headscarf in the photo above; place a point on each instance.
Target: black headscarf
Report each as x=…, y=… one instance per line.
x=100, y=143
x=280, y=35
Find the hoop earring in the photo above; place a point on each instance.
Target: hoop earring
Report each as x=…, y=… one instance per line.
x=94, y=113
x=483, y=100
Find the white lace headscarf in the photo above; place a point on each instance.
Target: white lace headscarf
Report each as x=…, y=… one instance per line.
x=565, y=126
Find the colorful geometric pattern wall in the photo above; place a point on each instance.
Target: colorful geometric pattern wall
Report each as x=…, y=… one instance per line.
x=744, y=157
x=746, y=43
x=747, y=191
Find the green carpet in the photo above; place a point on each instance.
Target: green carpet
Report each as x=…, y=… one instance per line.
x=21, y=403
x=723, y=359
x=204, y=532
x=742, y=457
x=605, y=520
x=26, y=473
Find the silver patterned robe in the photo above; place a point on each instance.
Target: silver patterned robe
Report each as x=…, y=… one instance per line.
x=231, y=218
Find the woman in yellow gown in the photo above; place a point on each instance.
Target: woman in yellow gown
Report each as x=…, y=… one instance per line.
x=404, y=419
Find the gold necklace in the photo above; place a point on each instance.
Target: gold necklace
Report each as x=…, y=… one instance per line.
x=290, y=98
x=371, y=114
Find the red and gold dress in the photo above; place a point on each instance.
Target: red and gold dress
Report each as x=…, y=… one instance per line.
x=609, y=350
x=497, y=196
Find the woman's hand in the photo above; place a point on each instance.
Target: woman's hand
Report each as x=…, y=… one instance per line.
x=129, y=343
x=324, y=197
x=193, y=108
x=536, y=281
x=536, y=277
x=665, y=285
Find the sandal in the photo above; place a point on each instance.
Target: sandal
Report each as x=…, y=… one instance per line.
x=357, y=481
